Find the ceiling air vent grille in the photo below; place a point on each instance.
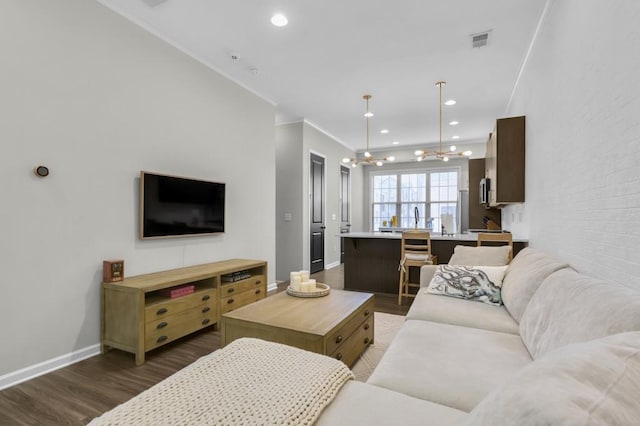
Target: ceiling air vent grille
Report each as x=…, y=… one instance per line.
x=480, y=40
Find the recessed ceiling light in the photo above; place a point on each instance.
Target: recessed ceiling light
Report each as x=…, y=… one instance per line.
x=453, y=123
x=395, y=142
x=384, y=131
x=450, y=102
x=455, y=137
x=368, y=114
x=279, y=20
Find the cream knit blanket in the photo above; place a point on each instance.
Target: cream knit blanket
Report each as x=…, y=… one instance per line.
x=249, y=382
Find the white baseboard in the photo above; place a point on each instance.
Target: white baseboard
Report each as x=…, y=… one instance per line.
x=272, y=286
x=332, y=265
x=48, y=366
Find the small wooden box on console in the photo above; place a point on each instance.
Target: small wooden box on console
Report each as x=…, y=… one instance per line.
x=138, y=316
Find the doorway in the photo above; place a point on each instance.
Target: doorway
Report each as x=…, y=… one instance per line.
x=345, y=205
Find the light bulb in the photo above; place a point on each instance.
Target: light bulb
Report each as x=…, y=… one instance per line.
x=452, y=148
x=279, y=20
x=367, y=154
x=368, y=114
x=450, y=102
x=346, y=160
x=418, y=152
x=445, y=159
x=419, y=159
x=467, y=153
x=392, y=158
x=353, y=165
x=455, y=137
x=453, y=123
x=384, y=131
x=378, y=163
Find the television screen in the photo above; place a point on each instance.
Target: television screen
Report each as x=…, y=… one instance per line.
x=176, y=206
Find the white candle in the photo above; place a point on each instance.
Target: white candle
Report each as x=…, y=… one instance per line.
x=306, y=286
x=294, y=280
x=304, y=275
x=312, y=284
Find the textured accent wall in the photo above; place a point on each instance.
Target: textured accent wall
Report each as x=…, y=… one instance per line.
x=580, y=91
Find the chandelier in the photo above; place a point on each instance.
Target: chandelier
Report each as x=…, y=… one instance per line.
x=368, y=158
x=440, y=154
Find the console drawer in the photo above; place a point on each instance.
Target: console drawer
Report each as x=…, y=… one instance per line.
x=339, y=336
x=171, y=327
x=231, y=289
x=228, y=304
x=165, y=307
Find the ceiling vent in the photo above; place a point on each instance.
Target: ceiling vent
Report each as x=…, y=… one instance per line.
x=479, y=40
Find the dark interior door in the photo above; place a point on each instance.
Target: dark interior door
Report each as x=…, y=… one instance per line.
x=317, y=214
x=345, y=199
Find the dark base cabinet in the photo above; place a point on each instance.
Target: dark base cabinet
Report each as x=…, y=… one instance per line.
x=371, y=264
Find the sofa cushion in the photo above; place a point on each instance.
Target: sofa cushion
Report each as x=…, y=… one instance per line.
x=590, y=383
x=449, y=364
x=449, y=310
x=364, y=404
x=523, y=277
x=476, y=283
x=570, y=307
x=486, y=256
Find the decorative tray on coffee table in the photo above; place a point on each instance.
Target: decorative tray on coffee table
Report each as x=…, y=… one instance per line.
x=320, y=290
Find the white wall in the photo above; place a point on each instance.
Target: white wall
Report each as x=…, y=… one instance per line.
x=289, y=197
x=580, y=92
x=97, y=99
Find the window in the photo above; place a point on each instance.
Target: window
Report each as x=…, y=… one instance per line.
x=433, y=193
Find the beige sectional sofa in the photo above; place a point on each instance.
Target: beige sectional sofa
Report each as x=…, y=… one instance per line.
x=563, y=349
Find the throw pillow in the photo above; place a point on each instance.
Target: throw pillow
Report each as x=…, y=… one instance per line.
x=487, y=255
x=480, y=283
x=591, y=383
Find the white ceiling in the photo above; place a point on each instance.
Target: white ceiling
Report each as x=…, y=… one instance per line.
x=334, y=51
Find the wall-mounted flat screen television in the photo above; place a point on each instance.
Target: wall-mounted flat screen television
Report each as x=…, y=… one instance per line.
x=173, y=206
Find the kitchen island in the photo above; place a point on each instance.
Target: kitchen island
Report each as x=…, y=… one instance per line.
x=371, y=259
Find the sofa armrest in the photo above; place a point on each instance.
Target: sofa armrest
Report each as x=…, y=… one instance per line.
x=426, y=274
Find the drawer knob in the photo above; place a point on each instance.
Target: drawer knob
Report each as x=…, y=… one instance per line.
x=161, y=339
x=205, y=321
x=258, y=282
x=366, y=340
x=258, y=291
x=206, y=309
x=338, y=339
x=366, y=326
x=206, y=297
x=162, y=325
x=339, y=356
x=230, y=301
x=231, y=290
x=161, y=311
x=366, y=313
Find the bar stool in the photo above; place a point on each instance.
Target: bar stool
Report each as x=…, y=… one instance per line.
x=493, y=238
x=416, y=251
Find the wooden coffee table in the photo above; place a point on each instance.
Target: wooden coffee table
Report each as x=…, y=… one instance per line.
x=339, y=324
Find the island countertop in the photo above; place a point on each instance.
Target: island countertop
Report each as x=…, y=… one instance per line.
x=472, y=236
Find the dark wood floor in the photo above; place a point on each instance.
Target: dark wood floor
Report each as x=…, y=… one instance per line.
x=76, y=394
